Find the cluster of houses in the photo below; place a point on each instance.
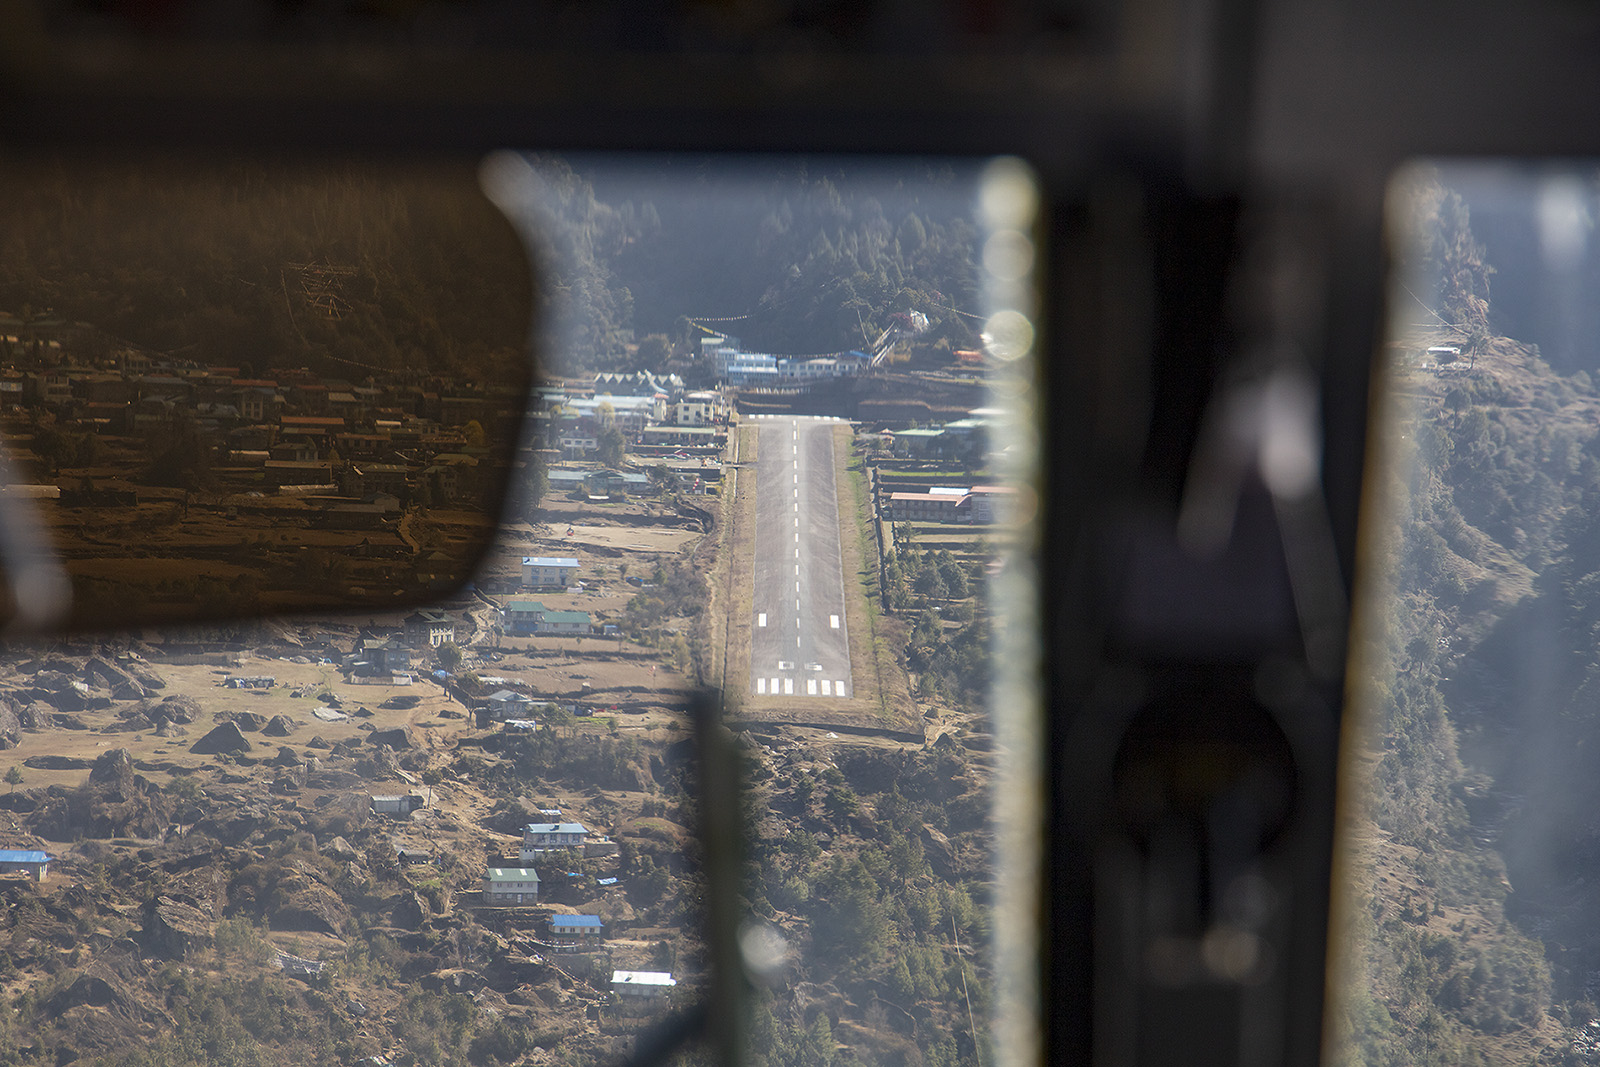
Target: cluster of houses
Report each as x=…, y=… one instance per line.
x=388, y=659
x=519, y=887
x=403, y=440
x=650, y=409
x=965, y=438
x=523, y=617
x=520, y=884
x=978, y=504
x=756, y=370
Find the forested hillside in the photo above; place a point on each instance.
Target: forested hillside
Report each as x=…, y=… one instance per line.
x=1474, y=845
x=789, y=257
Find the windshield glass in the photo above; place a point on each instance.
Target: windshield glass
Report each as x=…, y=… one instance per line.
x=1467, y=933
x=772, y=452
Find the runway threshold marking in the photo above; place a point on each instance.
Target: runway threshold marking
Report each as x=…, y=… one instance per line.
x=811, y=687
x=761, y=619
x=761, y=686
x=825, y=690
x=774, y=686
x=833, y=621
x=788, y=687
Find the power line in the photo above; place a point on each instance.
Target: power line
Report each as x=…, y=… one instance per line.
x=1425, y=307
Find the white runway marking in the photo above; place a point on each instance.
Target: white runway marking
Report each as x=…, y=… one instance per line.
x=761, y=620
x=811, y=687
x=797, y=570
x=788, y=687
x=797, y=539
x=796, y=587
x=761, y=685
x=825, y=691
x=833, y=621
x=774, y=686
x=838, y=688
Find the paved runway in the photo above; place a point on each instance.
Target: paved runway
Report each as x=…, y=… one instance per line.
x=799, y=645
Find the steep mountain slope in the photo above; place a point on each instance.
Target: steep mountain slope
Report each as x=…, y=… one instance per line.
x=1462, y=941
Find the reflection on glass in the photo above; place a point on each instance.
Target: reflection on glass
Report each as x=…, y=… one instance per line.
x=1469, y=830
x=236, y=388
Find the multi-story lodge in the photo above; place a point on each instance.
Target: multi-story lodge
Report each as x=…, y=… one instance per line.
x=542, y=837
x=511, y=885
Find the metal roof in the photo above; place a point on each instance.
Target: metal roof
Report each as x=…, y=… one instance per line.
x=549, y=561
x=15, y=855
x=660, y=978
x=512, y=874
x=566, y=616
x=577, y=922
x=556, y=828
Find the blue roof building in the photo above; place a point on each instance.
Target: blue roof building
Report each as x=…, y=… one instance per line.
x=25, y=861
x=571, y=933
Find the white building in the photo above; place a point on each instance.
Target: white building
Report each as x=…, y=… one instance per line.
x=642, y=985
x=698, y=409
x=549, y=572
x=540, y=837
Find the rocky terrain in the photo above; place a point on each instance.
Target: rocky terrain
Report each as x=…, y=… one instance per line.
x=221, y=892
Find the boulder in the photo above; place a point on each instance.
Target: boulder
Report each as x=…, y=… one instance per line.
x=941, y=855
x=179, y=708
x=278, y=726
x=398, y=738
x=310, y=908
x=173, y=929
x=56, y=763
x=10, y=725
x=129, y=690
x=333, y=780
x=249, y=721
x=146, y=677
x=225, y=738
x=410, y=911
x=286, y=757
x=341, y=849
x=113, y=774
x=319, y=742
x=453, y=980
